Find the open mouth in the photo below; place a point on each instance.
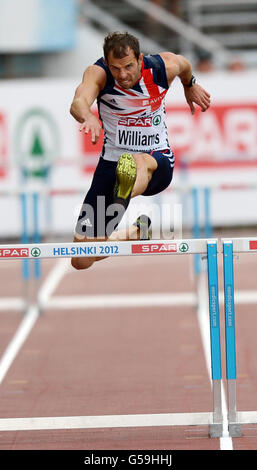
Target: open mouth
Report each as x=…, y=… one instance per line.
x=124, y=82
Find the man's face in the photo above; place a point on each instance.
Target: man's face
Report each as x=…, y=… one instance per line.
x=125, y=71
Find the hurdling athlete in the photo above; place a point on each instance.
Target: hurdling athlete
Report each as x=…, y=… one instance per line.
x=136, y=158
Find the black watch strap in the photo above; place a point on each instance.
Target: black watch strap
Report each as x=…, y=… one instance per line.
x=192, y=82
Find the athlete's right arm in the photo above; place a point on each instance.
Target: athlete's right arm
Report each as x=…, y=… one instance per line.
x=93, y=82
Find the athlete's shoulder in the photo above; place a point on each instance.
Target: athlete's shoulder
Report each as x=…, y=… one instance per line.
x=109, y=78
x=173, y=64
x=152, y=60
x=156, y=63
x=93, y=75
x=101, y=63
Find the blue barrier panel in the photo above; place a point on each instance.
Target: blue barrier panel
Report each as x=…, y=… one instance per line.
x=214, y=310
x=229, y=310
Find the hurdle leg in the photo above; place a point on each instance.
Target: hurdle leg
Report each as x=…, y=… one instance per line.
x=196, y=227
x=25, y=239
x=216, y=428
x=36, y=240
x=233, y=425
x=207, y=213
x=36, y=233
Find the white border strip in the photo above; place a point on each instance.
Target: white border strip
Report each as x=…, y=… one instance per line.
x=109, y=421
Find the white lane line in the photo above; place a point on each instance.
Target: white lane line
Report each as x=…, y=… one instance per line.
x=245, y=296
x=18, y=340
x=30, y=318
x=226, y=442
x=107, y=421
x=179, y=299
x=121, y=300
x=12, y=303
x=53, y=279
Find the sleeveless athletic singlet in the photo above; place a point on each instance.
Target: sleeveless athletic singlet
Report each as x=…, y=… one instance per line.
x=133, y=119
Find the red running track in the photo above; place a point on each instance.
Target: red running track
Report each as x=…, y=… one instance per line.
x=120, y=361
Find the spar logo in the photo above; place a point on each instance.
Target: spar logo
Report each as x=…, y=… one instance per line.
x=155, y=248
x=136, y=122
x=36, y=142
x=157, y=120
x=35, y=252
x=183, y=247
x=14, y=253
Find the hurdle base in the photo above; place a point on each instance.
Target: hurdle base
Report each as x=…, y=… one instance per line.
x=235, y=429
x=216, y=427
x=216, y=430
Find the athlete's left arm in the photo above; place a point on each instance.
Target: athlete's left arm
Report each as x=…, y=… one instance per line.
x=179, y=66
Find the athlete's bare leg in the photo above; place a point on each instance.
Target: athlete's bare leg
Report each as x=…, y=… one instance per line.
x=131, y=233
x=146, y=165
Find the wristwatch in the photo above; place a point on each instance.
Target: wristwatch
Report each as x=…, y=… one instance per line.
x=191, y=83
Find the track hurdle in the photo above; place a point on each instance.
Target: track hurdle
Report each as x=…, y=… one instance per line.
x=204, y=247
x=230, y=248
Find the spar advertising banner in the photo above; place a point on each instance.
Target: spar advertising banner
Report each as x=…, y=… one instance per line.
x=41, y=142
x=223, y=137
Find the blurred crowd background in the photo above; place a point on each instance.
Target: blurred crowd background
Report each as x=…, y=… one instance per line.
x=40, y=38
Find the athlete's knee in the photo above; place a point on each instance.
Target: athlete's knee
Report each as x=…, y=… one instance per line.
x=74, y=263
x=145, y=160
x=81, y=263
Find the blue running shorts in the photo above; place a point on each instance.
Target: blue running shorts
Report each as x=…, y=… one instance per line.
x=95, y=220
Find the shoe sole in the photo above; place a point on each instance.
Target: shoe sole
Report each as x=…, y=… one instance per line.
x=126, y=173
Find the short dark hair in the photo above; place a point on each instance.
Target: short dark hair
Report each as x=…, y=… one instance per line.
x=118, y=43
